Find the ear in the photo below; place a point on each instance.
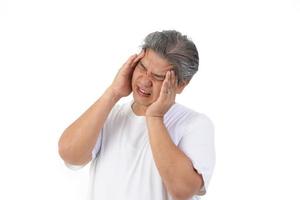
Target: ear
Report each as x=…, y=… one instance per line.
x=180, y=86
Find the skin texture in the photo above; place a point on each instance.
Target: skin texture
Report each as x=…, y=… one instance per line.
x=152, y=82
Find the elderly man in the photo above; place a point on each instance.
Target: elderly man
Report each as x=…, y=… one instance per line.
x=150, y=148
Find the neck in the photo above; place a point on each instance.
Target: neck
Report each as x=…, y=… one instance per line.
x=138, y=109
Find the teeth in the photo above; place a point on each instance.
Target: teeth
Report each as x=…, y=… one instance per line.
x=144, y=92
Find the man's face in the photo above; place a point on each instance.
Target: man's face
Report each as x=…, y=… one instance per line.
x=148, y=77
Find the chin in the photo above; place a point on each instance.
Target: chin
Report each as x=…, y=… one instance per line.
x=141, y=101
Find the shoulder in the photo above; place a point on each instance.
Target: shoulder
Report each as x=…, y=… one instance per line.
x=182, y=121
x=185, y=116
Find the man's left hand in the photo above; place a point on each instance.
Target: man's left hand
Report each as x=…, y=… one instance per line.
x=166, y=98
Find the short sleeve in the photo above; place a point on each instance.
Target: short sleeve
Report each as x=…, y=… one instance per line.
x=98, y=144
x=73, y=167
x=96, y=149
x=198, y=144
x=107, y=125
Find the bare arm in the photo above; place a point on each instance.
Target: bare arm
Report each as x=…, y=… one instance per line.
x=78, y=140
x=175, y=168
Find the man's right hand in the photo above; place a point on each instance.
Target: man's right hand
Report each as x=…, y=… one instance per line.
x=121, y=86
x=78, y=140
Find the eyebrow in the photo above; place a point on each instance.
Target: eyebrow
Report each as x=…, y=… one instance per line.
x=161, y=76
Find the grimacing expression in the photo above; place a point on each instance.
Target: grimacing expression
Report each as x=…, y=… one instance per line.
x=148, y=77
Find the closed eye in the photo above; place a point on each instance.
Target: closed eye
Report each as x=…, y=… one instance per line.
x=159, y=77
x=156, y=77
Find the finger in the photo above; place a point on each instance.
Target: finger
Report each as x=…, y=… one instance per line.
x=164, y=87
x=170, y=80
x=140, y=56
x=173, y=85
x=130, y=60
x=126, y=68
x=168, y=83
x=173, y=78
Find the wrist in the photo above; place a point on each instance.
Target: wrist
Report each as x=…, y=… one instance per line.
x=153, y=114
x=154, y=118
x=112, y=95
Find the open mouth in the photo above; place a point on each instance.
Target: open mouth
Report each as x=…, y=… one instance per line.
x=143, y=92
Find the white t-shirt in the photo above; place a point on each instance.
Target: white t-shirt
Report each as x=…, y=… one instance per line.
x=123, y=166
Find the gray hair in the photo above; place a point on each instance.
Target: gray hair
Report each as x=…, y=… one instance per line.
x=177, y=49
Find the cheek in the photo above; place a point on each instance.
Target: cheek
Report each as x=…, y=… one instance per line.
x=134, y=76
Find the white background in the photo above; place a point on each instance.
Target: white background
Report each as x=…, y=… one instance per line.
x=57, y=57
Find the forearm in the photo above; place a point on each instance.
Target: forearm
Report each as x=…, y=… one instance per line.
x=174, y=166
x=78, y=140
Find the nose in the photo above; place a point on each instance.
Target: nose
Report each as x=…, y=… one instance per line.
x=146, y=81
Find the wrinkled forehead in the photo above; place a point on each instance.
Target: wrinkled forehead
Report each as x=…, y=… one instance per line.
x=154, y=62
